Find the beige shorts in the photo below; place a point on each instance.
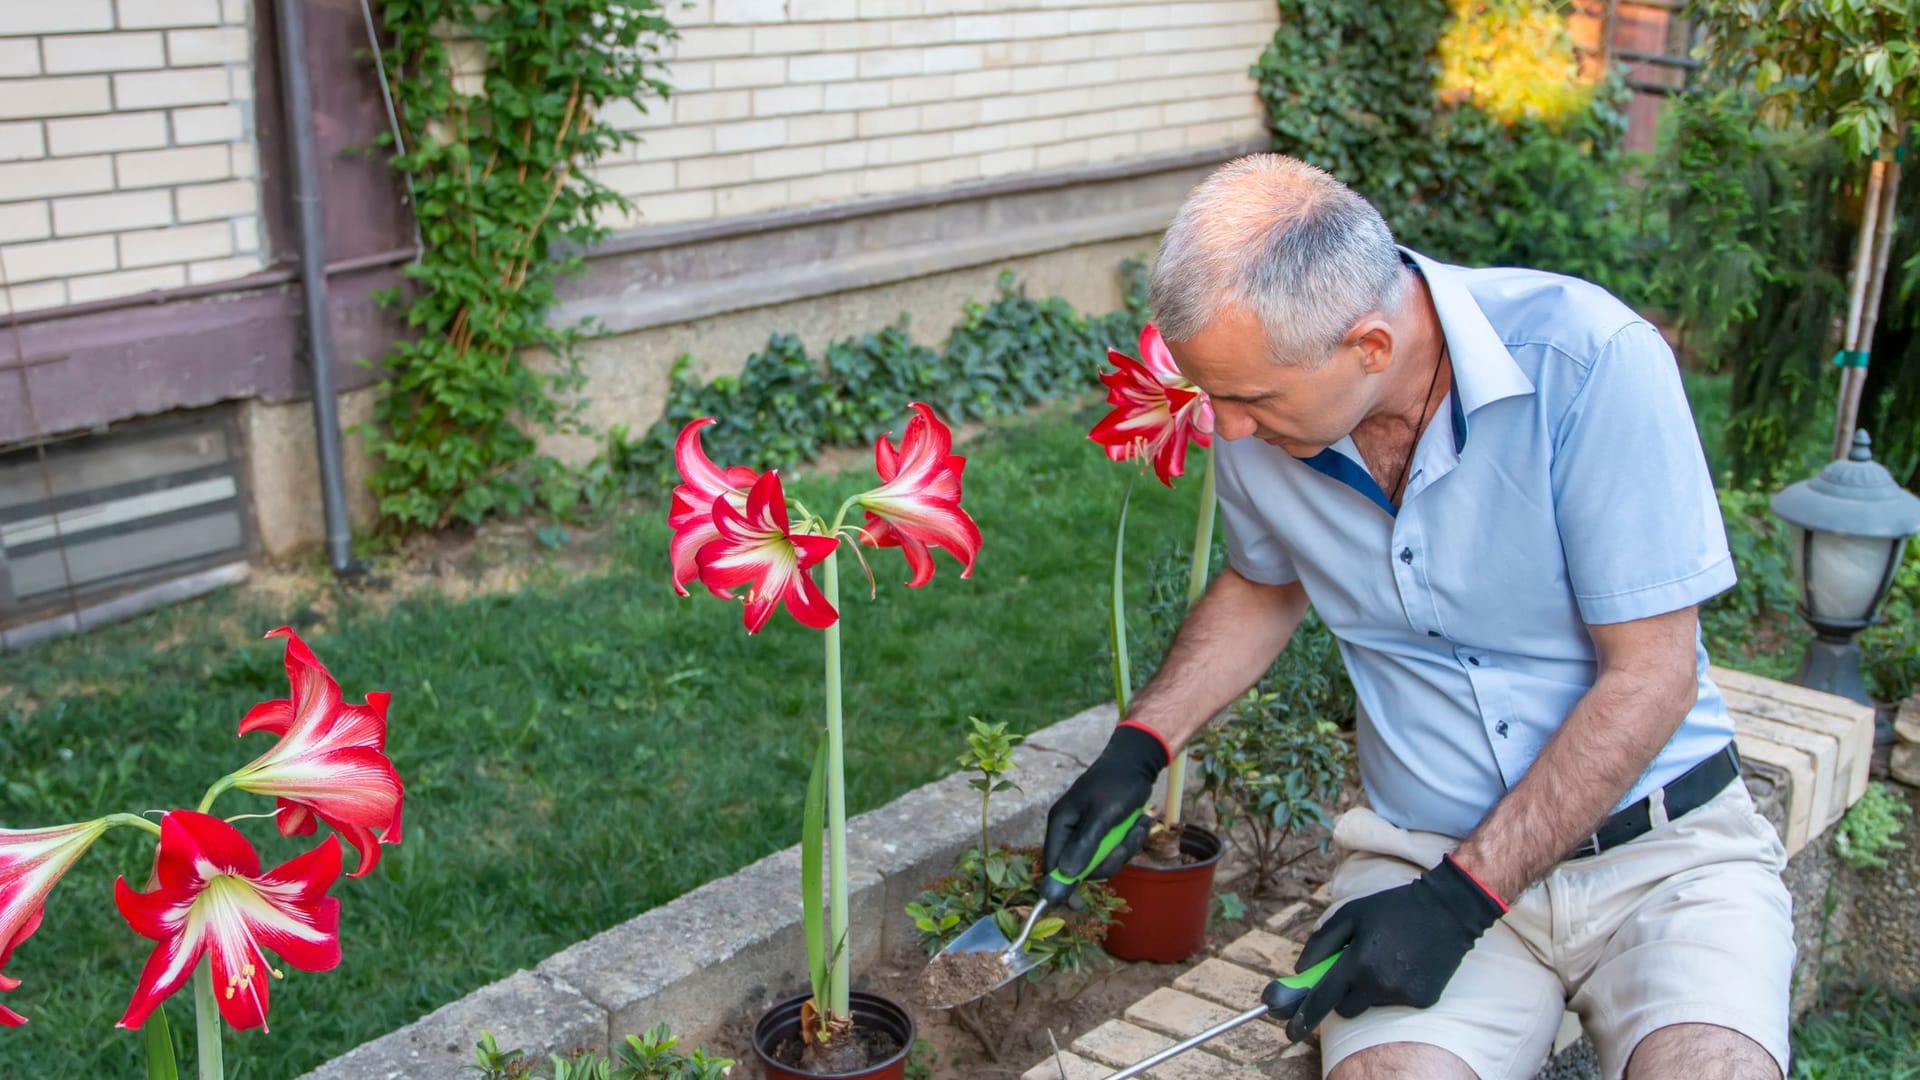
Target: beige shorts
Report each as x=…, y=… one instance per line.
x=1689, y=923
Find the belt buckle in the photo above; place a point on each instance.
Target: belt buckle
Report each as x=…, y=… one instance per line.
x=1588, y=847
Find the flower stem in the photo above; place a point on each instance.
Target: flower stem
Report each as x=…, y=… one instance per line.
x=134, y=820
x=1196, y=585
x=220, y=785
x=839, y=1002
x=206, y=1019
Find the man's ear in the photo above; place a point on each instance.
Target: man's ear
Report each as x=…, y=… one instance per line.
x=1374, y=338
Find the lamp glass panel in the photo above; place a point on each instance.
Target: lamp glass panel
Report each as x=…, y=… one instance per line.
x=1847, y=574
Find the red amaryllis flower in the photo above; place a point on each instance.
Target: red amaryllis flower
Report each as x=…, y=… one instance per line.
x=1156, y=409
x=31, y=860
x=212, y=896
x=760, y=550
x=691, y=513
x=330, y=762
x=919, y=503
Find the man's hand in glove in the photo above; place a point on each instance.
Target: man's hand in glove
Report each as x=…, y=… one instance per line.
x=1118, y=782
x=1402, y=945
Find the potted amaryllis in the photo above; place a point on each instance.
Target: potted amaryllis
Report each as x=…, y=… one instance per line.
x=735, y=528
x=1168, y=885
x=207, y=906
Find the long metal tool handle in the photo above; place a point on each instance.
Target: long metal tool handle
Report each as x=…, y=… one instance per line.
x=1179, y=1048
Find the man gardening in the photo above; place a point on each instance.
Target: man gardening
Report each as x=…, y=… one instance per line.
x=1489, y=486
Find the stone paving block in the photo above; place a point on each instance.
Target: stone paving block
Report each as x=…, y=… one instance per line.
x=1300, y=1062
x=1228, y=984
x=1262, y=951
x=1906, y=722
x=1800, y=769
x=1078, y=1068
x=1281, y=921
x=538, y=1015
x=1904, y=764
x=1848, y=722
x=1119, y=1044
x=1180, y=1014
x=1323, y=895
x=1829, y=784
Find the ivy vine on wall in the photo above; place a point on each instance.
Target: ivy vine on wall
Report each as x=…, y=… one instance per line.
x=499, y=174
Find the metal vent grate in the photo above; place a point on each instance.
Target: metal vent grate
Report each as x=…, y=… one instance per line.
x=128, y=506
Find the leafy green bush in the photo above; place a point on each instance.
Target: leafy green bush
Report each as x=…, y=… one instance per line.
x=1755, y=239
x=1890, y=651
x=1873, y=1036
x=498, y=180
x=1003, y=883
x=1867, y=830
x=1276, y=766
x=785, y=406
x=1470, y=125
x=653, y=1056
x=1743, y=623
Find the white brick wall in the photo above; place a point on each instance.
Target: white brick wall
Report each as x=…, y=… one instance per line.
x=783, y=103
x=127, y=160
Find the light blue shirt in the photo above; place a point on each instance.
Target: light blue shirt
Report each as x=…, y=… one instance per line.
x=1561, y=485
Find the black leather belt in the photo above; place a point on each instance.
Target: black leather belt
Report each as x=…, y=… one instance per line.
x=1682, y=795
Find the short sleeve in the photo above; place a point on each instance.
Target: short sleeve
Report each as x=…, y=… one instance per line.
x=1638, y=518
x=1253, y=545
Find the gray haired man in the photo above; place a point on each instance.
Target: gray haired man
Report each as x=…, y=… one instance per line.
x=1488, y=483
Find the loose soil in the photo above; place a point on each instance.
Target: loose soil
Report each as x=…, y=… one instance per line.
x=956, y=978
x=856, y=1050
x=1004, y=1034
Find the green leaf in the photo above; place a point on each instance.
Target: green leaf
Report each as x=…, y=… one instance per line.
x=812, y=840
x=160, y=1060
x=1117, y=604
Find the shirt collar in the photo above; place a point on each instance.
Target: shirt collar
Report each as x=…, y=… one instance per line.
x=1483, y=368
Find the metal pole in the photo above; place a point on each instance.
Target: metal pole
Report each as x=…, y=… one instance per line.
x=313, y=280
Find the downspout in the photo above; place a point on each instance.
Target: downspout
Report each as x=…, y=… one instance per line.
x=313, y=282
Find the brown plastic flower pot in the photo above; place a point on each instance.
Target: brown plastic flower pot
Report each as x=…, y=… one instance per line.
x=876, y=1015
x=1166, y=920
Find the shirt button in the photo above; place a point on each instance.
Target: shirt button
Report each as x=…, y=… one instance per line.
x=1433, y=633
x=1406, y=555
x=1474, y=660
x=1500, y=729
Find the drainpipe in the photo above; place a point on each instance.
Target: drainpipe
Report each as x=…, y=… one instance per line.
x=313, y=282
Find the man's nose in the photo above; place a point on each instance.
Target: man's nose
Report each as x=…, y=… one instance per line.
x=1231, y=424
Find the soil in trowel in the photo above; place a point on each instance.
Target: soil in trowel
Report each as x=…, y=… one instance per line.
x=957, y=978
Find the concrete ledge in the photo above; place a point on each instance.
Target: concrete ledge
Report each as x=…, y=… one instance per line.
x=734, y=945
x=524, y=1009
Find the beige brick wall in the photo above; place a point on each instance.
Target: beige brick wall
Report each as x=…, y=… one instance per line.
x=785, y=103
x=127, y=159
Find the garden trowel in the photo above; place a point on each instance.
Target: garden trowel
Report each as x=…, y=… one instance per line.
x=986, y=937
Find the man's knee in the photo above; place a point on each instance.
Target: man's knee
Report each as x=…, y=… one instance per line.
x=1402, y=1061
x=1700, y=1052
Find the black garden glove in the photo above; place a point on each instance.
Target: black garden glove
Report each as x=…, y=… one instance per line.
x=1402, y=945
x=1118, y=782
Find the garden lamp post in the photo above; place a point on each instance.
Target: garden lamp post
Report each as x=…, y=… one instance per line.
x=1850, y=526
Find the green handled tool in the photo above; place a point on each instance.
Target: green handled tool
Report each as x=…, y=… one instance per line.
x=986, y=936
x=1280, y=999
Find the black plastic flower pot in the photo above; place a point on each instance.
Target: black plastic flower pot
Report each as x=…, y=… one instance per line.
x=1166, y=917
x=776, y=1038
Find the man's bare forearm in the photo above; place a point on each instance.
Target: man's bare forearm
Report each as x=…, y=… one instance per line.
x=1225, y=644
x=1645, y=688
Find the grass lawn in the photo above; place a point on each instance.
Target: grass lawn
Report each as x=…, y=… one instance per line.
x=575, y=753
